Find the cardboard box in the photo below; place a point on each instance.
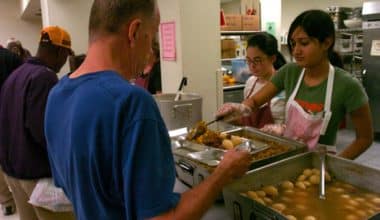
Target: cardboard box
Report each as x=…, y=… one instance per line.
x=227, y=44
x=250, y=22
x=228, y=47
x=228, y=54
x=233, y=22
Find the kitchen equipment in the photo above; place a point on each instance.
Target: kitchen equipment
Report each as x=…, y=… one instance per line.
x=182, y=113
x=243, y=208
x=370, y=61
x=233, y=93
x=210, y=157
x=353, y=23
x=192, y=171
x=181, y=85
x=338, y=14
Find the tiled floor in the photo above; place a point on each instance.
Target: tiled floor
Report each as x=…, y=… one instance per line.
x=369, y=158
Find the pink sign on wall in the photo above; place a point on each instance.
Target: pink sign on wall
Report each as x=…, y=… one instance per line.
x=168, y=41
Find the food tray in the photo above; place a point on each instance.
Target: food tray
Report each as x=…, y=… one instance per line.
x=260, y=139
x=194, y=162
x=244, y=208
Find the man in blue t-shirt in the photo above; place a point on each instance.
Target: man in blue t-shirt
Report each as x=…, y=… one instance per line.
x=107, y=143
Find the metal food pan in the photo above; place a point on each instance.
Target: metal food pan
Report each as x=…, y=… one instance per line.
x=244, y=208
x=265, y=138
x=182, y=147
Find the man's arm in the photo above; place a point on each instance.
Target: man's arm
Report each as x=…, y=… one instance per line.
x=195, y=202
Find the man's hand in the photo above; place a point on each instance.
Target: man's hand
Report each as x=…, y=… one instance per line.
x=231, y=111
x=235, y=163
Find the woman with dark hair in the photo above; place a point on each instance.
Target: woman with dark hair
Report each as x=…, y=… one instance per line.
x=318, y=94
x=263, y=59
x=150, y=78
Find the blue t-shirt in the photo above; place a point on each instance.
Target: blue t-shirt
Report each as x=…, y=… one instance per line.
x=109, y=148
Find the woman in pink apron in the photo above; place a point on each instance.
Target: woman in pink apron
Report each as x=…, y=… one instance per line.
x=263, y=58
x=319, y=95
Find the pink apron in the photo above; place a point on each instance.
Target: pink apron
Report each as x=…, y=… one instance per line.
x=305, y=127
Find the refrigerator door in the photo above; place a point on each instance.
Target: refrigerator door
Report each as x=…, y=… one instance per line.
x=371, y=68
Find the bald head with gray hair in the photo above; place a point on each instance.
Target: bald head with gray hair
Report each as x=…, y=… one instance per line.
x=107, y=16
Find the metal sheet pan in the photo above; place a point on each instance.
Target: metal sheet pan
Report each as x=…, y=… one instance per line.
x=244, y=208
x=188, y=166
x=259, y=138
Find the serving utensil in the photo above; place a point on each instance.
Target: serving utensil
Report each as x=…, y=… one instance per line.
x=181, y=85
x=251, y=147
x=322, y=184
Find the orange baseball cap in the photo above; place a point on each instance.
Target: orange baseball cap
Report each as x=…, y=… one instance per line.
x=57, y=36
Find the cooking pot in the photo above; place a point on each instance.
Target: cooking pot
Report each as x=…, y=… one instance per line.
x=185, y=112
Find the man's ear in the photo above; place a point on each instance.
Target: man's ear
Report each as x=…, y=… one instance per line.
x=133, y=31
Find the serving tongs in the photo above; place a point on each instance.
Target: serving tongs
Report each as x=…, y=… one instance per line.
x=200, y=129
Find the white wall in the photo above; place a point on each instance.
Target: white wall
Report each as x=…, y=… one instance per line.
x=198, y=50
x=73, y=16
x=28, y=32
x=271, y=12
x=172, y=72
x=201, y=51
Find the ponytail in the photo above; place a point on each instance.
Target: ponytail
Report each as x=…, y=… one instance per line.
x=335, y=59
x=280, y=61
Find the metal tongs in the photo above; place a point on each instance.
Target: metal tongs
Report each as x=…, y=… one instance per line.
x=196, y=131
x=322, y=183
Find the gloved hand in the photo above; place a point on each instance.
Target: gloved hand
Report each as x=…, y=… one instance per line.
x=231, y=111
x=277, y=129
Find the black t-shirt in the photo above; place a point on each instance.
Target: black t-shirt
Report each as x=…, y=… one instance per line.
x=154, y=84
x=8, y=62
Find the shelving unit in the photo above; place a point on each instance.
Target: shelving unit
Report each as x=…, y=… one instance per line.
x=349, y=46
x=238, y=36
x=231, y=59
x=238, y=33
x=234, y=92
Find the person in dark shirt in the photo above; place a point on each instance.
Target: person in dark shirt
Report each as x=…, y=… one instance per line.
x=23, y=154
x=16, y=47
x=8, y=63
x=150, y=79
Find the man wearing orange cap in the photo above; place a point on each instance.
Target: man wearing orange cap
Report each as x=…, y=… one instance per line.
x=23, y=154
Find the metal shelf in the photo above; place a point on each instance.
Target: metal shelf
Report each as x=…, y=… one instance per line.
x=231, y=59
x=350, y=30
x=239, y=32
